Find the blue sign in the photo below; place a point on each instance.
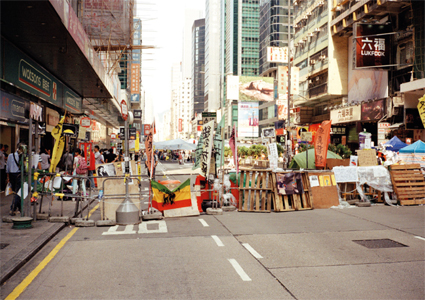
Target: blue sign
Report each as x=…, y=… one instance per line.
x=135, y=98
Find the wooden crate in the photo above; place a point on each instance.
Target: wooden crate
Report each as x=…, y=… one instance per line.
x=257, y=196
x=292, y=202
x=408, y=183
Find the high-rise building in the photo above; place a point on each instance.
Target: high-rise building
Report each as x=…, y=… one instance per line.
x=190, y=15
x=176, y=78
x=183, y=117
x=212, y=88
x=198, y=65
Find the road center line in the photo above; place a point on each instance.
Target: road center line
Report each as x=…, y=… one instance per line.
x=239, y=269
x=419, y=237
x=205, y=224
x=251, y=250
x=218, y=241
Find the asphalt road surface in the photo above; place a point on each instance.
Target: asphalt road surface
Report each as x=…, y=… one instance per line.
x=293, y=255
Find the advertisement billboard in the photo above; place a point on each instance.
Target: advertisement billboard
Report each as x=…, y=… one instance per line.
x=373, y=45
x=374, y=110
x=364, y=84
x=277, y=54
x=248, y=119
x=250, y=88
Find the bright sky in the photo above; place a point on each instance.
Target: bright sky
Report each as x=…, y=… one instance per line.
x=162, y=26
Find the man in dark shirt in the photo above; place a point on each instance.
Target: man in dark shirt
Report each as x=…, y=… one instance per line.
x=111, y=157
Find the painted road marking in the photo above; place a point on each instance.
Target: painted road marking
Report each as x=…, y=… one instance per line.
x=162, y=227
x=419, y=237
x=114, y=230
x=239, y=269
x=205, y=224
x=27, y=281
x=218, y=241
x=251, y=250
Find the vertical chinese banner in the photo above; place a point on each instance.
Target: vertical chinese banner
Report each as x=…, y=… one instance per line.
x=207, y=136
x=295, y=80
x=321, y=144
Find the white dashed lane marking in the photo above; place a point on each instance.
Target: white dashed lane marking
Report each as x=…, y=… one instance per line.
x=419, y=237
x=251, y=250
x=218, y=241
x=205, y=224
x=239, y=269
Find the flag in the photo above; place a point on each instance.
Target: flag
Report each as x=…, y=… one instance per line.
x=59, y=144
x=321, y=144
x=153, y=127
x=164, y=199
x=149, y=150
x=232, y=144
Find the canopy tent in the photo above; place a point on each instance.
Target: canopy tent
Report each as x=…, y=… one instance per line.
x=414, y=154
x=177, y=144
x=416, y=147
x=300, y=160
x=395, y=144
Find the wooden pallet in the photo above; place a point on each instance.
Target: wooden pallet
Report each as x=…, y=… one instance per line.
x=292, y=202
x=408, y=183
x=257, y=197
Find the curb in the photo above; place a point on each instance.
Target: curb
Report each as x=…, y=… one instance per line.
x=14, y=264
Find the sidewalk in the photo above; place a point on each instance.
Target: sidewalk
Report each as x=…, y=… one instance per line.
x=19, y=245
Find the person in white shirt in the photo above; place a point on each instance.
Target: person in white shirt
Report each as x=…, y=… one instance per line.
x=45, y=159
x=98, y=156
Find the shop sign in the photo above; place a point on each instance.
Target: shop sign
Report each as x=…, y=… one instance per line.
x=137, y=114
x=338, y=130
x=208, y=116
x=373, y=111
x=26, y=74
x=85, y=122
x=345, y=115
x=36, y=112
x=277, y=54
x=113, y=136
x=146, y=129
x=307, y=137
x=72, y=102
x=14, y=108
x=132, y=133
x=124, y=110
x=383, y=131
x=373, y=45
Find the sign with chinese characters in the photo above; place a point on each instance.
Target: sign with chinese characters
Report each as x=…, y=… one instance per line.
x=345, y=115
x=373, y=45
x=295, y=80
x=421, y=109
x=321, y=144
x=36, y=112
x=338, y=130
x=124, y=110
x=383, y=131
x=85, y=122
x=137, y=114
x=282, y=80
x=207, y=137
x=277, y=54
x=135, y=79
x=180, y=125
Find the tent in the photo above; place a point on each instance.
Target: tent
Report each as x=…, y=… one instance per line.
x=299, y=160
x=395, y=144
x=177, y=144
x=414, y=154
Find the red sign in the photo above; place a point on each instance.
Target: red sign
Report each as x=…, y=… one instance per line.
x=180, y=125
x=85, y=122
x=199, y=128
x=113, y=136
x=124, y=110
x=321, y=144
x=146, y=129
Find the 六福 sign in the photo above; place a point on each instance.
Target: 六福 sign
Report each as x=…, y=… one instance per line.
x=373, y=45
x=347, y=114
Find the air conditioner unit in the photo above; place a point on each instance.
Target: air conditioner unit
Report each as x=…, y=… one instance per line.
x=317, y=30
x=309, y=13
x=311, y=34
x=312, y=62
x=305, y=17
x=321, y=3
x=322, y=57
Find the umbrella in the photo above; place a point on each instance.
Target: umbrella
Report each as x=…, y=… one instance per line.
x=299, y=160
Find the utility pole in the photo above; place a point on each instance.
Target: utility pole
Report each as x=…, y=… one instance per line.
x=288, y=119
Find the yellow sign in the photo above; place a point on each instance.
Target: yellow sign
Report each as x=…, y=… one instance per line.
x=421, y=109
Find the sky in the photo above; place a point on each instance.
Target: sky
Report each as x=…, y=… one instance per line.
x=162, y=27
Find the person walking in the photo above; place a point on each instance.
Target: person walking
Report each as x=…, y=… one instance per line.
x=79, y=162
x=13, y=171
x=98, y=156
x=91, y=168
x=3, y=149
x=45, y=159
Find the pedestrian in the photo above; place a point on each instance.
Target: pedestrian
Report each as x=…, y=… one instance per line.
x=67, y=161
x=91, y=165
x=98, y=156
x=3, y=150
x=13, y=170
x=79, y=161
x=111, y=157
x=180, y=159
x=45, y=160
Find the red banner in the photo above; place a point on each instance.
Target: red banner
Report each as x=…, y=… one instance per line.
x=180, y=125
x=321, y=143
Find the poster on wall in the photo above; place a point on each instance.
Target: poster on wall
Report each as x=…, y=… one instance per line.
x=248, y=119
x=364, y=84
x=250, y=88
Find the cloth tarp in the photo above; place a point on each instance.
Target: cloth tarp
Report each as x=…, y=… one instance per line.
x=177, y=144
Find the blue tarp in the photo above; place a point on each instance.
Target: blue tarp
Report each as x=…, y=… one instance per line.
x=396, y=144
x=416, y=147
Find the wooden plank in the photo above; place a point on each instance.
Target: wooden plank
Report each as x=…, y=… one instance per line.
x=257, y=192
x=263, y=193
x=287, y=203
x=398, y=177
x=412, y=184
x=411, y=189
x=406, y=167
x=412, y=202
x=277, y=201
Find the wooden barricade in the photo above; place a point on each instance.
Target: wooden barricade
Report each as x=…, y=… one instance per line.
x=255, y=190
x=293, y=202
x=408, y=183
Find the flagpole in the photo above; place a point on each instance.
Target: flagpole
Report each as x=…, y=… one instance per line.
x=152, y=163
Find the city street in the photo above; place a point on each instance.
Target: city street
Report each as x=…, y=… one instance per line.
x=295, y=255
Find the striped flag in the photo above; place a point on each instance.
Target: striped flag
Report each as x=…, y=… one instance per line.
x=164, y=199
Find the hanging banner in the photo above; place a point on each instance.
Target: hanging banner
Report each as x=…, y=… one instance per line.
x=277, y=54
x=59, y=144
x=282, y=80
x=198, y=153
x=295, y=80
x=207, y=135
x=218, y=143
x=232, y=144
x=148, y=147
x=321, y=144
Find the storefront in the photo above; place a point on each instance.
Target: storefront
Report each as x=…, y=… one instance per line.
x=348, y=118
